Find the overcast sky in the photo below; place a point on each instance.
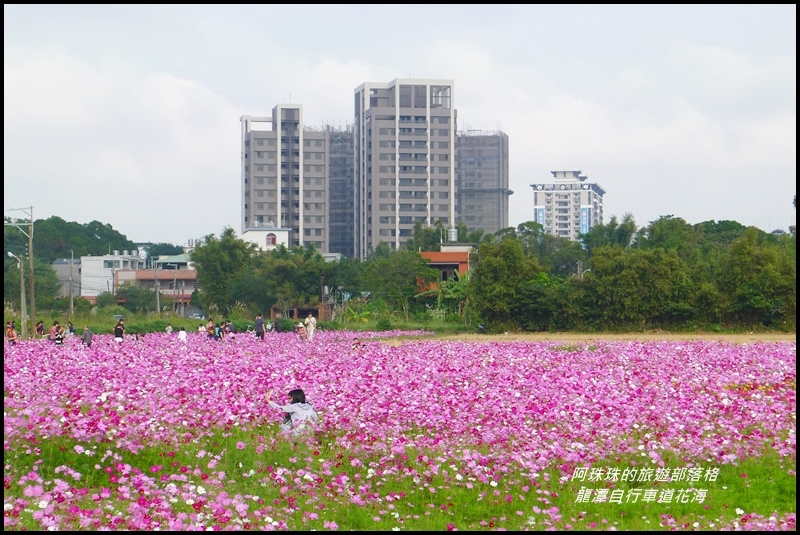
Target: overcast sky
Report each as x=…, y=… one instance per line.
x=129, y=115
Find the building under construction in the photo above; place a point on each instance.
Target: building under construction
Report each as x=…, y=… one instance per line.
x=482, y=180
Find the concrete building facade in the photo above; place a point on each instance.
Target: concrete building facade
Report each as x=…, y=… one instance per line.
x=482, y=180
x=284, y=176
x=68, y=271
x=568, y=205
x=98, y=272
x=404, y=160
x=341, y=194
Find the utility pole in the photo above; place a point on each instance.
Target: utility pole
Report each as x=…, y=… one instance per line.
x=174, y=286
x=157, y=287
x=29, y=212
x=22, y=307
x=71, y=297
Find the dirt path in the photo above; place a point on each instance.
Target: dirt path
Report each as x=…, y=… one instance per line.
x=645, y=336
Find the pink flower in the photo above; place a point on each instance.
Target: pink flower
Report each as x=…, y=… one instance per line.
x=33, y=491
x=240, y=445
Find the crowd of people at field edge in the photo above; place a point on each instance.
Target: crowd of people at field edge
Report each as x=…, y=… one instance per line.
x=303, y=329
x=56, y=335
x=221, y=331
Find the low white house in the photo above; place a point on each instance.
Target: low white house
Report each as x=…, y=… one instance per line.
x=267, y=236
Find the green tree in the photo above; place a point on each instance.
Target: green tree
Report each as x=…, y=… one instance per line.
x=669, y=232
x=476, y=236
x=397, y=278
x=613, y=233
x=218, y=263
x=46, y=285
x=135, y=298
x=106, y=299
x=633, y=288
x=536, y=303
x=758, y=283
x=55, y=238
x=425, y=238
x=498, y=274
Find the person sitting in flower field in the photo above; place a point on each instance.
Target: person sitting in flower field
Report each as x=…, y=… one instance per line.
x=297, y=414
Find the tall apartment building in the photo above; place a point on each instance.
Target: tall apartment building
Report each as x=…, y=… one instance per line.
x=568, y=206
x=482, y=180
x=404, y=160
x=284, y=173
x=341, y=191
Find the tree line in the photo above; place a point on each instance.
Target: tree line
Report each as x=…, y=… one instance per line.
x=667, y=275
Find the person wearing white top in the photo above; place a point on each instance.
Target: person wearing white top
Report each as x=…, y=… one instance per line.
x=311, y=326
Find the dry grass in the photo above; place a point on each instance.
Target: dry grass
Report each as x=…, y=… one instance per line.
x=641, y=336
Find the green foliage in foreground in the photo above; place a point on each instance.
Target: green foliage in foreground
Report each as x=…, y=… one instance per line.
x=307, y=484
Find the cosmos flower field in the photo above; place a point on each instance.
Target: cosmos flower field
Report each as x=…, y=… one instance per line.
x=421, y=434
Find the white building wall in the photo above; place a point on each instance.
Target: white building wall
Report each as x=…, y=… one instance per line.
x=97, y=272
x=261, y=237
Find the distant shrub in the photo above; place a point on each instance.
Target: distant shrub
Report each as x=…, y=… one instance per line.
x=383, y=324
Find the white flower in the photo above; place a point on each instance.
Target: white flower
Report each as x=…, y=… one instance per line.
x=43, y=504
x=201, y=490
x=493, y=483
x=739, y=511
